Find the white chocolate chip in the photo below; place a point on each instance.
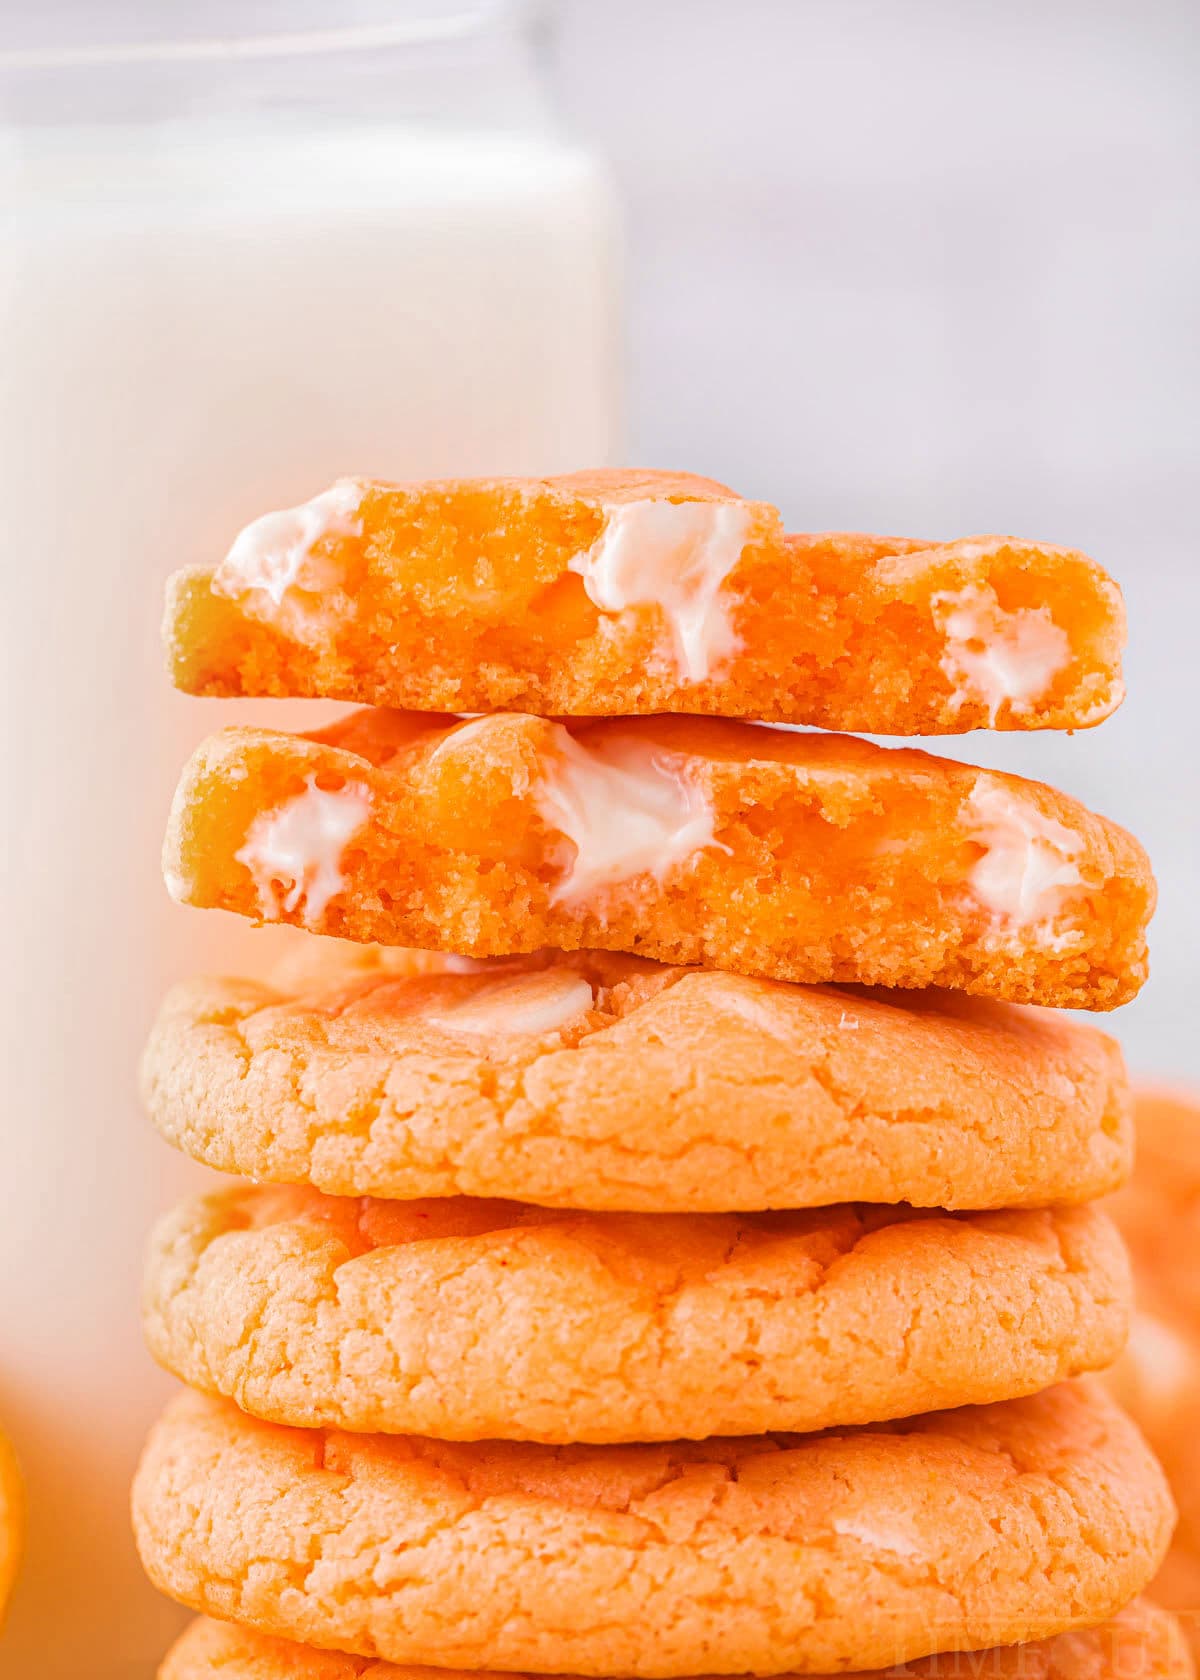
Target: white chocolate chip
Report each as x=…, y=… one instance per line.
x=273, y=568
x=524, y=1003
x=994, y=656
x=295, y=851
x=675, y=556
x=1028, y=869
x=878, y=1536
x=627, y=807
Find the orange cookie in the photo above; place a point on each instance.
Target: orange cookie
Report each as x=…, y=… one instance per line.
x=1141, y=1643
x=613, y=593
x=952, y=1531
x=557, y=1079
x=12, y=1519
x=1159, y=1377
x=468, y=1320
x=799, y=857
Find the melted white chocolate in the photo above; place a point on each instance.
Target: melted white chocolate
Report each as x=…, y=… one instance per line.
x=1029, y=866
x=995, y=656
x=627, y=807
x=522, y=1003
x=878, y=1536
x=295, y=851
x=675, y=556
x=273, y=568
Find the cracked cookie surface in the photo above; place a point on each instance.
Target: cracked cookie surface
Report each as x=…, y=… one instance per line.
x=603, y=1081
x=956, y=1530
x=465, y=1319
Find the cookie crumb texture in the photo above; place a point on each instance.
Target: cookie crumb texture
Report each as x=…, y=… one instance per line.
x=796, y=857
x=468, y=1320
x=952, y=1531
x=619, y=593
x=602, y=1081
x=1142, y=1643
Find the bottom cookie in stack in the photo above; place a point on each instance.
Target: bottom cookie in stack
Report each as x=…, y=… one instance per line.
x=1141, y=1643
x=851, y=1549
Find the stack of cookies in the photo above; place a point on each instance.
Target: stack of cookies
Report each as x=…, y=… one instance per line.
x=682, y=1262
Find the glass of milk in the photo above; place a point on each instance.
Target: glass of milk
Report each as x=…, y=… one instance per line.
x=230, y=271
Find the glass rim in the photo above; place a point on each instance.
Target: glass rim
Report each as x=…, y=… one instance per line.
x=460, y=24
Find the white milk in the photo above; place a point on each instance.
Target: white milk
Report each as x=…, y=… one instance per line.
x=196, y=325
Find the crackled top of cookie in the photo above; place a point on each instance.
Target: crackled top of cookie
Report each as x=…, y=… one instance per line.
x=763, y=1484
x=554, y=1078
x=466, y=1319
x=975, y=1527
